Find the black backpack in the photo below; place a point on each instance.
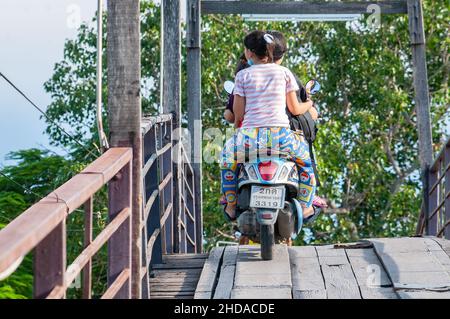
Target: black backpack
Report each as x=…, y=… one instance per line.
x=305, y=123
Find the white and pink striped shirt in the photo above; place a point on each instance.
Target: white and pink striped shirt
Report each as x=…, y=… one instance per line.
x=264, y=87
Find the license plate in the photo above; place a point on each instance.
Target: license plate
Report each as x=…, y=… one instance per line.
x=267, y=197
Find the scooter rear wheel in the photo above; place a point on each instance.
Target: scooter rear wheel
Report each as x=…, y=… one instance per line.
x=267, y=241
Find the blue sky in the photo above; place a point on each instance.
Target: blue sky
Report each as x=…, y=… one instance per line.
x=32, y=35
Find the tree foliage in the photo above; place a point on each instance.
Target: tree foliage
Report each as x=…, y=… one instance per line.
x=367, y=143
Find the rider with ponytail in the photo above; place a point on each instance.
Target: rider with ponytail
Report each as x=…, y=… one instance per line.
x=261, y=94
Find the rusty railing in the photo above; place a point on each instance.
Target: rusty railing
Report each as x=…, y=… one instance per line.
x=41, y=229
x=169, y=216
x=436, y=219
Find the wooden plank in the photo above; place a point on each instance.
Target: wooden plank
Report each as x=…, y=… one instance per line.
x=175, y=272
x=340, y=282
x=226, y=280
x=172, y=288
x=253, y=272
x=208, y=277
x=420, y=79
x=125, y=111
x=294, y=7
x=185, y=256
x=171, y=102
x=409, y=268
x=309, y=294
x=444, y=244
x=261, y=293
x=407, y=294
x=378, y=293
x=172, y=295
x=174, y=281
x=307, y=279
x=372, y=279
x=198, y=262
x=194, y=109
x=176, y=266
x=369, y=271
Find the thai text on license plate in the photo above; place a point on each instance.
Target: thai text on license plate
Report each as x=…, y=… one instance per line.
x=267, y=197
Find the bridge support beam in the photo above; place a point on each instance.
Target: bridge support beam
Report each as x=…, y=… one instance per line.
x=124, y=105
x=171, y=100
x=194, y=85
x=422, y=101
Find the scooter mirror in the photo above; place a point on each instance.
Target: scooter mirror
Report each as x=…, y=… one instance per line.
x=312, y=87
x=228, y=86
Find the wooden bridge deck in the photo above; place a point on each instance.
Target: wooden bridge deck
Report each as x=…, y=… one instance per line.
x=177, y=276
x=385, y=268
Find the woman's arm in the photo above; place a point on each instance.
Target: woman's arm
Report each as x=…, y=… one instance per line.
x=314, y=113
x=296, y=107
x=238, y=109
x=228, y=116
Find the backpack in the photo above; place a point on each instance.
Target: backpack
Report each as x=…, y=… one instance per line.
x=305, y=123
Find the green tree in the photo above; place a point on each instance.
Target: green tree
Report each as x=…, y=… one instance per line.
x=34, y=174
x=367, y=143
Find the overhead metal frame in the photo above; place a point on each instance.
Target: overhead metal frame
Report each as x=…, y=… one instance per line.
x=195, y=8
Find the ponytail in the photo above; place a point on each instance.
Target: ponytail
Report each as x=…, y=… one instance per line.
x=261, y=43
x=270, y=45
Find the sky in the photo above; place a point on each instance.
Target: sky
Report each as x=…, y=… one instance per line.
x=32, y=36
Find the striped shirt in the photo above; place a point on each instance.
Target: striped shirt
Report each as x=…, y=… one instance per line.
x=264, y=87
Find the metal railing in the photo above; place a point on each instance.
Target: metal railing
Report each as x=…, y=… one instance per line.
x=436, y=218
x=169, y=206
x=41, y=229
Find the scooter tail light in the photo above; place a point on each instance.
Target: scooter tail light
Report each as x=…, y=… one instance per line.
x=267, y=170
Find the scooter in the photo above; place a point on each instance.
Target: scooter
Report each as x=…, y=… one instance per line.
x=268, y=185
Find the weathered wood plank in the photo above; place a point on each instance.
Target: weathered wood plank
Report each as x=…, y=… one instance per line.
x=261, y=293
x=309, y=294
x=369, y=271
x=340, y=282
x=177, y=266
x=372, y=279
x=445, y=244
x=378, y=293
x=185, y=256
x=125, y=111
x=175, y=272
x=253, y=272
x=208, y=277
x=226, y=280
x=174, y=281
x=156, y=289
x=307, y=279
x=297, y=7
x=412, y=265
x=417, y=294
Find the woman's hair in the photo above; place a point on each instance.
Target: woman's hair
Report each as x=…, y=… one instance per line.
x=260, y=43
x=280, y=44
x=243, y=64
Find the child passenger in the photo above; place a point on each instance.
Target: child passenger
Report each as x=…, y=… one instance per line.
x=261, y=94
